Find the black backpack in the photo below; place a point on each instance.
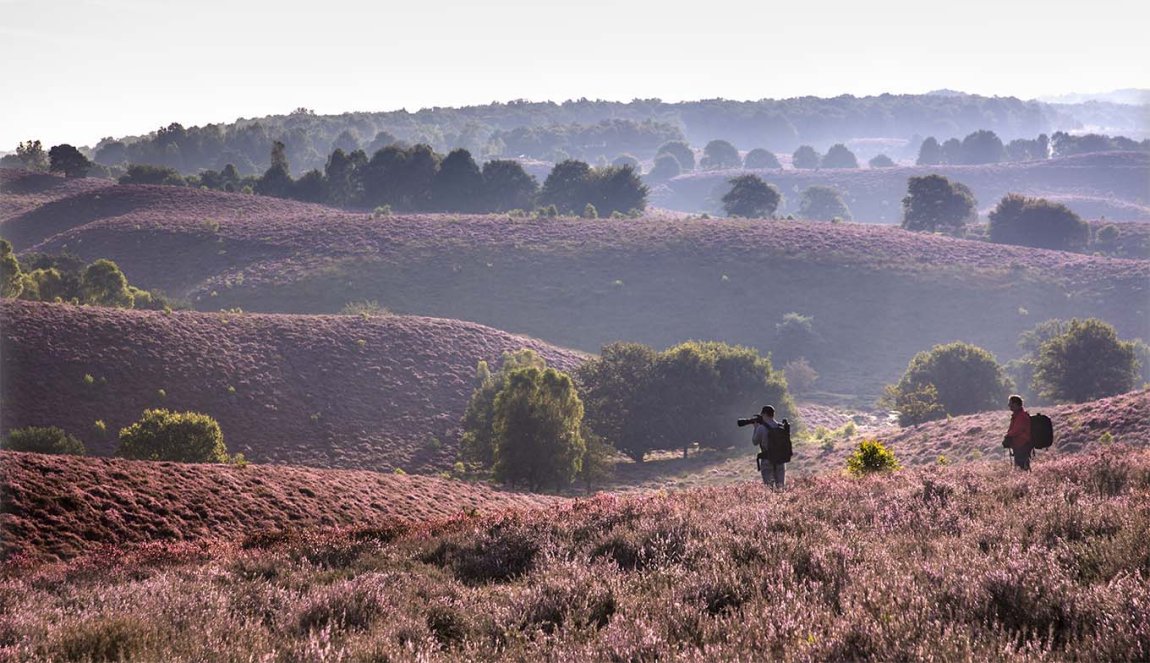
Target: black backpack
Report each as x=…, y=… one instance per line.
x=1041, y=431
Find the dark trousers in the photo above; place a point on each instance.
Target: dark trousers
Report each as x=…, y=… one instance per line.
x=1022, y=457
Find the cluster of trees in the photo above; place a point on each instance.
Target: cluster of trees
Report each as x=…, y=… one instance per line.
x=159, y=435
x=416, y=178
x=984, y=146
x=67, y=279
x=752, y=197
x=532, y=425
x=641, y=400
x=62, y=158
x=1073, y=361
x=936, y=203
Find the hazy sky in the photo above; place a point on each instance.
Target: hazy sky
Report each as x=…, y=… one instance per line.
x=77, y=70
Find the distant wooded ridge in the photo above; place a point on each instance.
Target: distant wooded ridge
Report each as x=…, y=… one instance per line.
x=597, y=131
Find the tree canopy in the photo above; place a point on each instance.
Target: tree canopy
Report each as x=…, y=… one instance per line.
x=751, y=197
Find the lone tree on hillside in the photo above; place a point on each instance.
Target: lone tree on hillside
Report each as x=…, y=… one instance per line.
x=823, y=203
x=538, y=421
x=627, y=160
x=958, y=377
x=1084, y=362
x=929, y=153
x=762, y=158
x=666, y=166
x=805, y=157
x=982, y=146
x=719, y=155
x=881, y=161
x=181, y=437
x=68, y=160
x=838, y=156
x=103, y=284
x=751, y=197
x=1038, y=223
x=935, y=203
x=682, y=153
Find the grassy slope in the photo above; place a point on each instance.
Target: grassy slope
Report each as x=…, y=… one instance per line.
x=962, y=563
x=333, y=391
x=878, y=294
x=1111, y=184
x=60, y=506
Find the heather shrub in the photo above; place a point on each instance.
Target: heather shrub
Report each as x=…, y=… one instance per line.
x=113, y=638
x=871, y=456
x=43, y=440
x=182, y=437
x=343, y=607
x=499, y=555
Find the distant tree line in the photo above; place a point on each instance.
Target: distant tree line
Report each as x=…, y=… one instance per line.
x=417, y=179
x=984, y=146
x=588, y=130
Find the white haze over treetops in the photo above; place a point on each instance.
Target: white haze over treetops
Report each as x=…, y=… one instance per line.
x=78, y=70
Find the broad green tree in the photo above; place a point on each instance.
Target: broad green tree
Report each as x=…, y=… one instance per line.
x=68, y=160
x=933, y=202
x=751, y=197
x=823, y=203
x=720, y=155
x=762, y=158
x=538, y=420
x=103, y=284
x=966, y=378
x=682, y=153
x=838, y=156
x=1038, y=223
x=805, y=158
x=1084, y=362
x=181, y=437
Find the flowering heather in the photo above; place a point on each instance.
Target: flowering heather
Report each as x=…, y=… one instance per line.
x=330, y=391
x=945, y=563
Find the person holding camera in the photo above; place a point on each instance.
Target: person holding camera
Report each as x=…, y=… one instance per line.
x=1018, y=435
x=774, y=442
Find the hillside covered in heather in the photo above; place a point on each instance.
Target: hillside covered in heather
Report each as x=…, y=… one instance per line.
x=973, y=562
x=56, y=507
x=1114, y=185
x=347, y=391
x=876, y=294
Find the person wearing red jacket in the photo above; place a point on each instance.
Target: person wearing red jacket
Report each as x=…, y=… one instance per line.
x=1018, y=435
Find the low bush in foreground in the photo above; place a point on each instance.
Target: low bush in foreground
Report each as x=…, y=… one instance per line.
x=941, y=563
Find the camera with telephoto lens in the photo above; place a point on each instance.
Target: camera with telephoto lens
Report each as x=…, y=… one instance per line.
x=757, y=419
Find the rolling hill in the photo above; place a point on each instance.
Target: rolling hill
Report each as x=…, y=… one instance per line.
x=55, y=507
x=332, y=391
x=877, y=294
x=1111, y=184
